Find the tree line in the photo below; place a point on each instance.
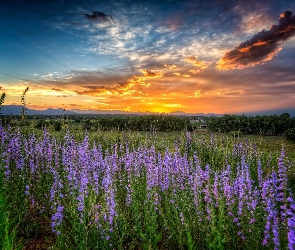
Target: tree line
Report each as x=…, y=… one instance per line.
x=165, y=123
x=252, y=125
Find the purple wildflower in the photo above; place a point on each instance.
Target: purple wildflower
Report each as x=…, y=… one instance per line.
x=27, y=189
x=282, y=184
x=56, y=219
x=259, y=173
x=272, y=220
x=107, y=184
x=291, y=223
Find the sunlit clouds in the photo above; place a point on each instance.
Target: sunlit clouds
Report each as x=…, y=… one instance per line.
x=156, y=56
x=262, y=47
x=199, y=64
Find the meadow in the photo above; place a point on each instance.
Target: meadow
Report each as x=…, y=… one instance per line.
x=145, y=190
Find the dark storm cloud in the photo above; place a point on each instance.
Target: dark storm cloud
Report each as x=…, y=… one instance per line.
x=260, y=48
x=100, y=16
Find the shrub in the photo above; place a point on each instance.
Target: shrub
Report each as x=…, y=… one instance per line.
x=40, y=124
x=57, y=126
x=290, y=135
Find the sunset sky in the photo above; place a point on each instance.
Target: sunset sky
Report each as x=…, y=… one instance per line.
x=221, y=56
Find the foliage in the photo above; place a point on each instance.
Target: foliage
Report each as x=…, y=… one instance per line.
x=163, y=123
x=7, y=232
x=57, y=126
x=290, y=135
x=40, y=124
x=250, y=125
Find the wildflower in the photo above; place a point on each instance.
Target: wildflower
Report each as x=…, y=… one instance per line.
x=27, y=189
x=272, y=220
x=181, y=218
x=129, y=197
x=107, y=184
x=7, y=173
x=291, y=223
x=259, y=173
x=80, y=205
x=282, y=183
x=56, y=218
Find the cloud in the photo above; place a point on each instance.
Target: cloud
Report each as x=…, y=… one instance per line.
x=111, y=87
x=197, y=63
x=194, y=71
x=55, y=89
x=260, y=48
x=149, y=74
x=100, y=16
x=98, y=90
x=170, y=66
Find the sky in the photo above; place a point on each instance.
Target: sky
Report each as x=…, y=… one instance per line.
x=213, y=56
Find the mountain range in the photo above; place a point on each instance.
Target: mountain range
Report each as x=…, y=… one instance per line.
x=17, y=109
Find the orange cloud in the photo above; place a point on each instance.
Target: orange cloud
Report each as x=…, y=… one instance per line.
x=170, y=66
x=197, y=63
x=197, y=94
x=263, y=47
x=56, y=89
x=183, y=75
x=233, y=92
x=106, y=91
x=149, y=74
x=194, y=71
x=123, y=88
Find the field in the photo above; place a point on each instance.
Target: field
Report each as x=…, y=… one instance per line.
x=145, y=190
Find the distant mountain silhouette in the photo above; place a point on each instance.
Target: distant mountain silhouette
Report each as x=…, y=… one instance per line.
x=17, y=109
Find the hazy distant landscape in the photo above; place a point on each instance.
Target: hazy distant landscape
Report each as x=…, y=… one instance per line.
x=16, y=110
